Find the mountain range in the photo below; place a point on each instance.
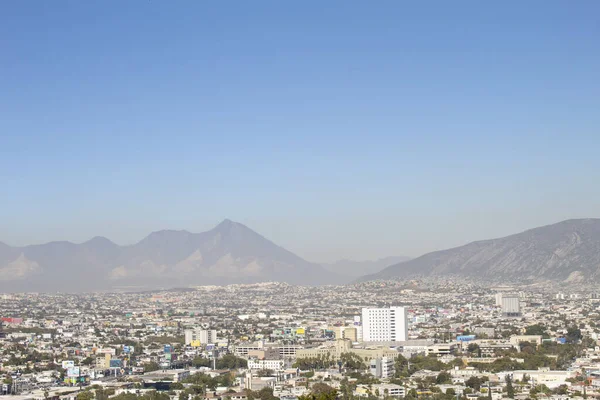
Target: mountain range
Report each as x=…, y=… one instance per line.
x=566, y=251
x=233, y=253
x=229, y=253
x=355, y=269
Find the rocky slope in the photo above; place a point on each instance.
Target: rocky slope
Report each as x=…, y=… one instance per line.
x=566, y=251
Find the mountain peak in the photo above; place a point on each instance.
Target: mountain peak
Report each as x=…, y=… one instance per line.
x=98, y=240
x=227, y=225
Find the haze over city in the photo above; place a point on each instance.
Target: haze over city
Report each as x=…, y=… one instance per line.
x=276, y=200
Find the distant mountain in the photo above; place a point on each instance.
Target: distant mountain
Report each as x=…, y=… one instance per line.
x=229, y=253
x=566, y=251
x=355, y=269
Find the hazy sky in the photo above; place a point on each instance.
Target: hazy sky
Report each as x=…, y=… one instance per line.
x=336, y=129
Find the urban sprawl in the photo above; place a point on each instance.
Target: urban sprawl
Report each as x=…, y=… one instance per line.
x=421, y=339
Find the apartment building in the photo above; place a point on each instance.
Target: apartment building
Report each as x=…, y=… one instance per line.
x=384, y=324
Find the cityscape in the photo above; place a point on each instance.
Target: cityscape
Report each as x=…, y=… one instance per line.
x=438, y=339
x=299, y=200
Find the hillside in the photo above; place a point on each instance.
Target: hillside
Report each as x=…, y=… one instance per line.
x=568, y=250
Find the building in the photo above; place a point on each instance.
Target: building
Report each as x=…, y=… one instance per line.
x=511, y=306
x=441, y=349
x=382, y=367
x=345, y=346
x=516, y=340
x=499, y=299
x=198, y=337
x=384, y=389
x=345, y=332
x=384, y=324
x=274, y=365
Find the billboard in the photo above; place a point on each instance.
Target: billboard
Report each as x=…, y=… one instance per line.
x=73, y=372
x=195, y=343
x=168, y=348
x=68, y=364
x=116, y=363
x=128, y=349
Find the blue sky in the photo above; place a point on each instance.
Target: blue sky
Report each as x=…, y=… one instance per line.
x=336, y=129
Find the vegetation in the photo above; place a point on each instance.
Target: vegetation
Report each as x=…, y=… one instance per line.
x=206, y=381
x=151, y=366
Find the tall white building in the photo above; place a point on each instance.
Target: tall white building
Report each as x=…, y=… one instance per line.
x=384, y=324
x=511, y=306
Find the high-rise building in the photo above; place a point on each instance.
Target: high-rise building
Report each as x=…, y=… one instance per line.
x=200, y=336
x=384, y=324
x=511, y=306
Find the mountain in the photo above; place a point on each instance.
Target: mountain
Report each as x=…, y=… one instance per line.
x=566, y=251
x=355, y=269
x=229, y=253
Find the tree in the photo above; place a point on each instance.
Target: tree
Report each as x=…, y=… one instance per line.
x=573, y=335
x=265, y=372
x=537, y=329
x=473, y=348
x=87, y=361
x=230, y=361
x=151, y=366
x=266, y=393
x=85, y=395
x=475, y=382
x=443, y=377
x=510, y=391
x=346, y=390
x=562, y=390
x=320, y=389
x=352, y=361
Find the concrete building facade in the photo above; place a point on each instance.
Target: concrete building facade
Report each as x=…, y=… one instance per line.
x=384, y=324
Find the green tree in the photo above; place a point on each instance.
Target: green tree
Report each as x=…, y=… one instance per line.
x=322, y=389
x=510, y=390
x=443, y=377
x=573, y=335
x=537, y=329
x=151, y=366
x=85, y=395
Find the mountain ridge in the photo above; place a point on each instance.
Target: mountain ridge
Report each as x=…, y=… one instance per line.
x=228, y=253
x=565, y=251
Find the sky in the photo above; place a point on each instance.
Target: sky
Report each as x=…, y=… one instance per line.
x=338, y=129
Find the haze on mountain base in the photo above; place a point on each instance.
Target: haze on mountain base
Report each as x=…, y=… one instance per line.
x=229, y=253
x=233, y=253
x=567, y=251
x=356, y=269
